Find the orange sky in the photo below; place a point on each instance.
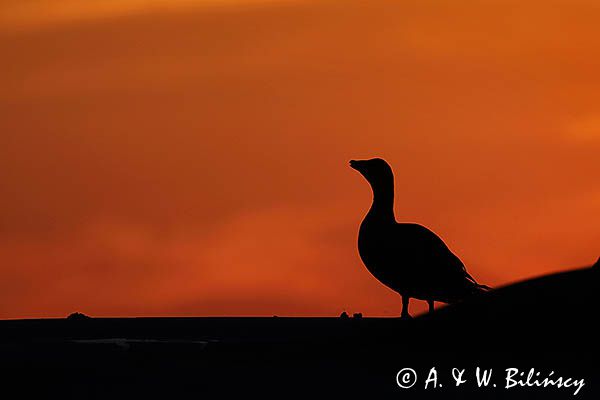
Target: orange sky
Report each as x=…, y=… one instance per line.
x=190, y=157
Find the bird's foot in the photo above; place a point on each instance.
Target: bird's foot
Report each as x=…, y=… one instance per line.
x=406, y=316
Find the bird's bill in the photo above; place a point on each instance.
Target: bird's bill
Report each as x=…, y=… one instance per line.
x=356, y=164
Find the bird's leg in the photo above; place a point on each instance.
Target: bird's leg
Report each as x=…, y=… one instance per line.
x=431, y=305
x=405, y=314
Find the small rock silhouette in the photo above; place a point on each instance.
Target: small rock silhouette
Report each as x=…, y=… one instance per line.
x=77, y=316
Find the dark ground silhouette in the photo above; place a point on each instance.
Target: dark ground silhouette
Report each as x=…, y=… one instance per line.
x=408, y=258
x=546, y=323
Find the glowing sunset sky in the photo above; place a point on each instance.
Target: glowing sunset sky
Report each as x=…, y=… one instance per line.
x=190, y=157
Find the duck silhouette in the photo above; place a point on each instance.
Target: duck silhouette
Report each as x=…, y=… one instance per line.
x=408, y=258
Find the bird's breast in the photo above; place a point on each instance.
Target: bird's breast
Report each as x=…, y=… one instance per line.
x=373, y=239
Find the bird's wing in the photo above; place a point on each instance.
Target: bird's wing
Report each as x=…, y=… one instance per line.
x=432, y=251
x=421, y=264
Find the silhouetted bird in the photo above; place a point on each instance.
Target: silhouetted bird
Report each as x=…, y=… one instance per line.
x=408, y=258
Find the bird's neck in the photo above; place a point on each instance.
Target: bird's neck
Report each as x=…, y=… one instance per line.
x=383, y=203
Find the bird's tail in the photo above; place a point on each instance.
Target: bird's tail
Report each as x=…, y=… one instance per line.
x=482, y=288
x=477, y=287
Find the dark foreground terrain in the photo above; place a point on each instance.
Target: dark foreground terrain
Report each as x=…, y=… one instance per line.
x=549, y=324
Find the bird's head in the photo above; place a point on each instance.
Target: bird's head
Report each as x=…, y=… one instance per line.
x=376, y=170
